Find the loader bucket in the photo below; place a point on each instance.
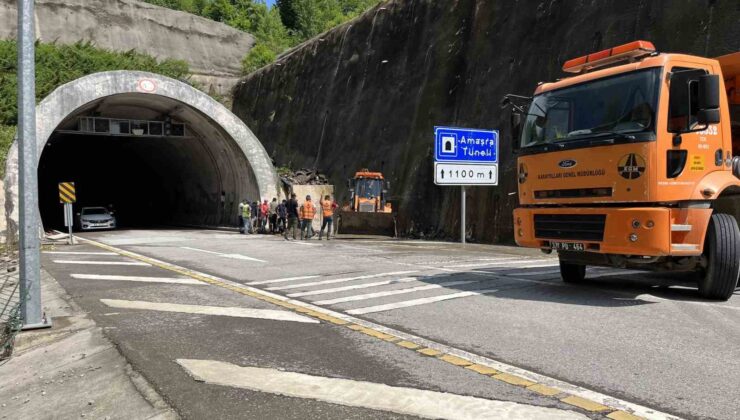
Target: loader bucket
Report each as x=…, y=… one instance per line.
x=360, y=223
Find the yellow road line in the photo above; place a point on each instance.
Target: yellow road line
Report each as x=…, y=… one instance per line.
x=585, y=404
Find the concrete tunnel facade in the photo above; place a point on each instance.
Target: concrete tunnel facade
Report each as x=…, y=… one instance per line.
x=193, y=179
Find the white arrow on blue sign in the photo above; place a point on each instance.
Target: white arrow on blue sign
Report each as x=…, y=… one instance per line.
x=465, y=145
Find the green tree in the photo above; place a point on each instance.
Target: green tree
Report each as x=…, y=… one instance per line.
x=287, y=14
x=258, y=57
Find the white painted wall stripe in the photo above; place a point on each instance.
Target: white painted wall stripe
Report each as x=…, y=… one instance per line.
x=417, y=302
x=400, y=400
x=353, y=287
x=342, y=280
x=102, y=262
x=255, y=283
x=169, y=280
x=210, y=310
x=366, y=296
x=78, y=253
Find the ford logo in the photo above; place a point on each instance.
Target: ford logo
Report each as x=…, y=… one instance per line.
x=567, y=163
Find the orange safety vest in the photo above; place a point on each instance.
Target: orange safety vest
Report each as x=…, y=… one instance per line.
x=308, y=211
x=328, y=208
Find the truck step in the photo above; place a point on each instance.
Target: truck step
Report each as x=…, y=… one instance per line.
x=684, y=247
x=681, y=228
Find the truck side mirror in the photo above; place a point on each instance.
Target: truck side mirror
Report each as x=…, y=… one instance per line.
x=708, y=99
x=516, y=130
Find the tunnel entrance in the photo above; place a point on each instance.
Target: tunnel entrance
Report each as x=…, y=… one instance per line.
x=154, y=150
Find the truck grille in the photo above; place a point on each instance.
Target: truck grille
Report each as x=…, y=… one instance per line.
x=585, y=227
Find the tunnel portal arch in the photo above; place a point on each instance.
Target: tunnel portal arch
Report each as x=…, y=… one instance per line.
x=251, y=168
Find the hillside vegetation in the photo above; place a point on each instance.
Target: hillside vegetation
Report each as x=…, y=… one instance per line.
x=276, y=29
x=59, y=64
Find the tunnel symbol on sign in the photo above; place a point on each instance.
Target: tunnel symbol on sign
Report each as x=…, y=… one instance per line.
x=449, y=144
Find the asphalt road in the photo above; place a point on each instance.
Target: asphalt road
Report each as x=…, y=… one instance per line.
x=638, y=337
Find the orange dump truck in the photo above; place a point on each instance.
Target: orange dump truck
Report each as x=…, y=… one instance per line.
x=634, y=162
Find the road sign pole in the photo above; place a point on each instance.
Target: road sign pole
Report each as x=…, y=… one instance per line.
x=462, y=215
x=30, y=268
x=70, y=221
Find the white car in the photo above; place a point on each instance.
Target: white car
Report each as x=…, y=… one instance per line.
x=92, y=218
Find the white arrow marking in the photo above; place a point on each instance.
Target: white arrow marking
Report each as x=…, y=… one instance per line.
x=402, y=400
x=232, y=256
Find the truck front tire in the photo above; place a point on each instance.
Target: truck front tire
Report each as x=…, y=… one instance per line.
x=722, y=251
x=572, y=273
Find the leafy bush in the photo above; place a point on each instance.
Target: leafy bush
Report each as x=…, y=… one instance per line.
x=7, y=134
x=261, y=55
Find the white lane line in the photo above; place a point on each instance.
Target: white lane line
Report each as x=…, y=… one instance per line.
x=254, y=283
x=392, y=292
x=102, y=262
x=354, y=287
x=210, y=310
x=420, y=301
x=515, y=262
x=231, y=256
x=375, y=396
x=607, y=400
x=169, y=280
x=78, y=253
x=342, y=280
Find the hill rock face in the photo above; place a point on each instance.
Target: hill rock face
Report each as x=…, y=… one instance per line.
x=213, y=50
x=368, y=93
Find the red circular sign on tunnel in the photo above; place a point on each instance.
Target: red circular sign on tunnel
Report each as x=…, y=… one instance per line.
x=146, y=86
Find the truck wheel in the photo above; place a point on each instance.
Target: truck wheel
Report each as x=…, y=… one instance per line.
x=722, y=251
x=572, y=273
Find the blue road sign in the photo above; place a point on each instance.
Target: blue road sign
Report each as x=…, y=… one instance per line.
x=465, y=145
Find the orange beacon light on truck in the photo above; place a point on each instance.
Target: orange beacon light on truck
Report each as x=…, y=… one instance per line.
x=602, y=58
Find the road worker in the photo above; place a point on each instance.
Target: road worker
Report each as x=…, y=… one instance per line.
x=292, y=211
x=264, y=214
x=327, y=215
x=245, y=216
x=273, y=215
x=282, y=216
x=307, y=213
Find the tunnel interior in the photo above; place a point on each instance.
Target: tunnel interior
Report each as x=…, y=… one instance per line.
x=151, y=159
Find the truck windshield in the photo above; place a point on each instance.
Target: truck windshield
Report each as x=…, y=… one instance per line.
x=369, y=188
x=623, y=104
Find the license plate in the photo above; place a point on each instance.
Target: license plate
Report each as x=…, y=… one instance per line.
x=567, y=246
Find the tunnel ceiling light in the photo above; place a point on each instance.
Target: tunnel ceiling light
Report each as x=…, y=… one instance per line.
x=632, y=50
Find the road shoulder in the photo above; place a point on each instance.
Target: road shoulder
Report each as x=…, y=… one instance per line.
x=73, y=371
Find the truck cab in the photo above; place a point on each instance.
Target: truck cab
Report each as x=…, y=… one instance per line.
x=631, y=162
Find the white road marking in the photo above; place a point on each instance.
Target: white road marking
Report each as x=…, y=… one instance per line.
x=342, y=280
x=375, y=396
x=210, y=310
x=393, y=292
x=613, y=273
x=353, y=287
x=420, y=301
x=78, y=253
x=254, y=283
x=298, y=242
x=102, y=262
x=515, y=262
x=532, y=273
x=170, y=280
x=607, y=400
x=231, y=256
